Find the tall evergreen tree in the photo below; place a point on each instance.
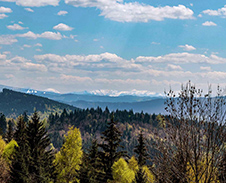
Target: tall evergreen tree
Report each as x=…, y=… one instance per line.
x=142, y=157
x=141, y=150
x=41, y=168
x=110, y=148
x=19, y=169
x=91, y=168
x=2, y=124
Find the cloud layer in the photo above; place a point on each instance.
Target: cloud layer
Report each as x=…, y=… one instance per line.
x=134, y=11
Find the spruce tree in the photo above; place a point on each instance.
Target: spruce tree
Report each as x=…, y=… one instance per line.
x=19, y=168
x=110, y=148
x=141, y=150
x=91, y=168
x=142, y=157
x=41, y=167
x=2, y=124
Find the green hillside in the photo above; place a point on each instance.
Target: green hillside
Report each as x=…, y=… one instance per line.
x=14, y=103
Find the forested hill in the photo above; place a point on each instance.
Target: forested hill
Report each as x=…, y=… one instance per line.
x=14, y=103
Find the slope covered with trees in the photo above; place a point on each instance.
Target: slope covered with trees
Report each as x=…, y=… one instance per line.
x=13, y=104
x=187, y=146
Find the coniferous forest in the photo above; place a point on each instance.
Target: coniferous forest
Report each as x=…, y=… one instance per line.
x=99, y=146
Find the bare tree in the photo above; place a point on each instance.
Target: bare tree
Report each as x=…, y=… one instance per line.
x=191, y=147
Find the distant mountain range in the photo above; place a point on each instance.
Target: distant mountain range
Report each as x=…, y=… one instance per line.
x=136, y=100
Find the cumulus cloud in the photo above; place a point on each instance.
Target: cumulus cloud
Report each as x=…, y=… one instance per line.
x=38, y=44
x=219, y=12
x=187, y=47
x=5, y=10
x=35, y=3
x=45, y=35
x=205, y=68
x=15, y=27
x=26, y=46
x=62, y=27
x=62, y=13
x=51, y=35
x=29, y=9
x=209, y=23
x=174, y=67
x=7, y=39
x=183, y=58
x=134, y=12
x=3, y=16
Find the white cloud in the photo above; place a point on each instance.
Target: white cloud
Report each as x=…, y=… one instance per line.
x=219, y=12
x=62, y=13
x=134, y=11
x=38, y=50
x=200, y=15
x=6, y=52
x=205, y=68
x=51, y=35
x=174, y=67
x=38, y=44
x=26, y=46
x=95, y=40
x=187, y=47
x=20, y=22
x=35, y=3
x=73, y=36
x=46, y=35
x=182, y=58
x=29, y=9
x=209, y=23
x=15, y=27
x=155, y=43
x=5, y=10
x=2, y=57
x=7, y=39
x=3, y=16
x=29, y=35
x=62, y=27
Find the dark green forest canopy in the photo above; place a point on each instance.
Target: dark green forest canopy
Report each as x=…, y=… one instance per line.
x=13, y=104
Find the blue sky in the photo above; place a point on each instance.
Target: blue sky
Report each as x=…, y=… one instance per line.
x=76, y=45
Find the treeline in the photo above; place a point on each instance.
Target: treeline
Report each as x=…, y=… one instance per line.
x=188, y=147
x=92, y=122
x=29, y=156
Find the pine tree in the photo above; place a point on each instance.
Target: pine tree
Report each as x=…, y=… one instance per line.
x=40, y=160
x=110, y=152
x=2, y=124
x=19, y=168
x=142, y=154
x=91, y=169
x=141, y=150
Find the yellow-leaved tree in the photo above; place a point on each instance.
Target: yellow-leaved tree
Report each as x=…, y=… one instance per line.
x=69, y=158
x=4, y=167
x=122, y=173
x=9, y=150
x=202, y=174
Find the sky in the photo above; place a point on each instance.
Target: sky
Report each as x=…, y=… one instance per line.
x=121, y=45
